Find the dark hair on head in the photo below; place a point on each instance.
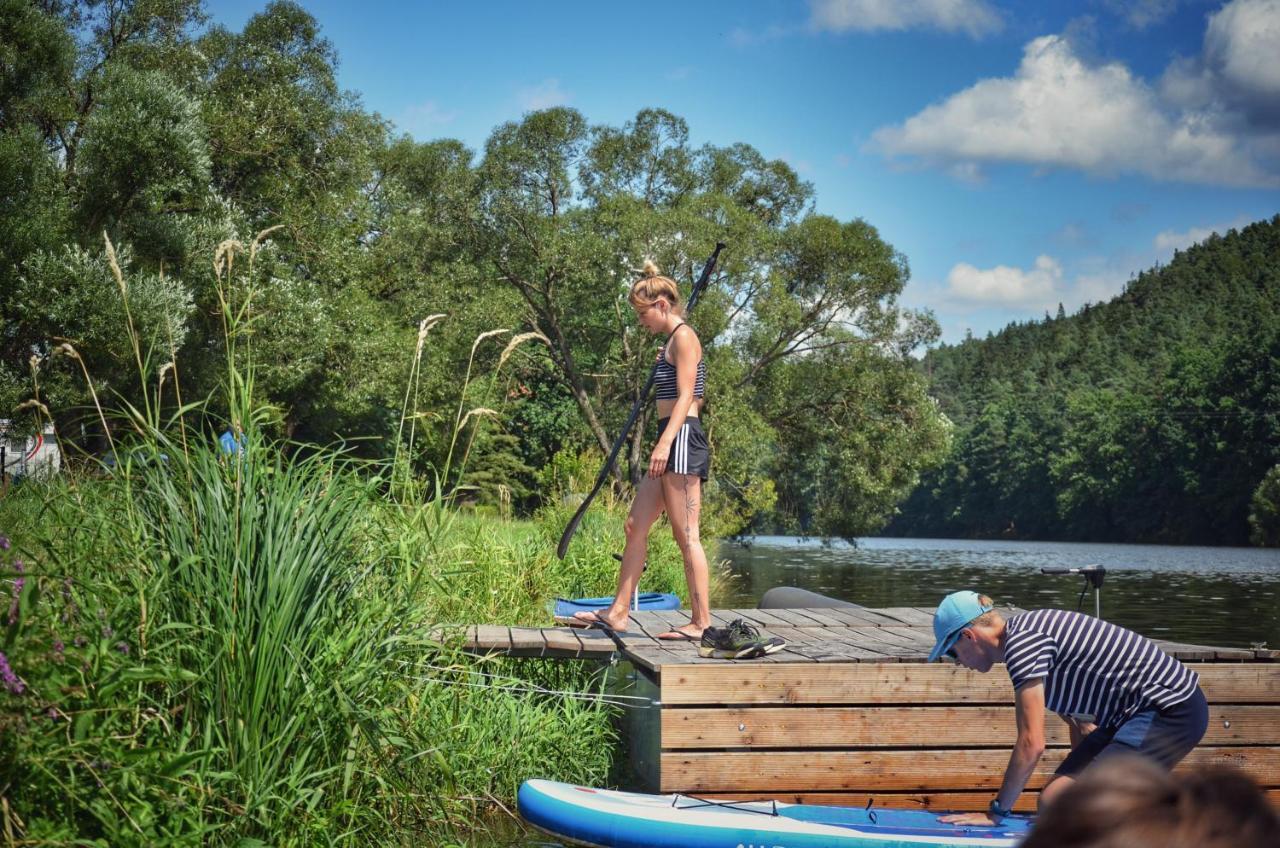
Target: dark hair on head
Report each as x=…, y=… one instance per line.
x=1130, y=802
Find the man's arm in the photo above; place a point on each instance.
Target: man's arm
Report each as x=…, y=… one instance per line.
x=1079, y=729
x=1029, y=706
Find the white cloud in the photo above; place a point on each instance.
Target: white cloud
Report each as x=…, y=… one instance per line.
x=424, y=118
x=1006, y=285
x=1167, y=241
x=1057, y=111
x=1242, y=44
x=544, y=95
x=973, y=17
x=1141, y=14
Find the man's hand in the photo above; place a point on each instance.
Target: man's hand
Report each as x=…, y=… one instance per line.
x=980, y=819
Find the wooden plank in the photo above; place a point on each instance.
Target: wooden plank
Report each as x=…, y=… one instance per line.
x=915, y=684
x=527, y=640
x=876, y=770
x=899, y=727
x=821, y=616
x=491, y=637
x=563, y=641
x=909, y=616
x=863, y=617
x=762, y=618
x=792, y=618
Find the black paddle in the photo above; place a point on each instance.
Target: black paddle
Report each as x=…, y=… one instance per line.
x=569, y=530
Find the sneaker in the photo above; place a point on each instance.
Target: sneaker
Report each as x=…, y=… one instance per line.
x=738, y=641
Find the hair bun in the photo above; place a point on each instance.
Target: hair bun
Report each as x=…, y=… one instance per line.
x=650, y=269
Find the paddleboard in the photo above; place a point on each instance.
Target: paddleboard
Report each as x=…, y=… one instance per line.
x=610, y=819
x=565, y=608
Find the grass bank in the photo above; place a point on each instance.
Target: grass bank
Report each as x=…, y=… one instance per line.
x=247, y=650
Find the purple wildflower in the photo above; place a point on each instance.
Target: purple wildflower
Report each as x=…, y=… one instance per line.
x=123, y=647
x=80, y=641
x=107, y=632
x=11, y=681
x=4, y=543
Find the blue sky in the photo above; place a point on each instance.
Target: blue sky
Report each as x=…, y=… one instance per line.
x=1020, y=154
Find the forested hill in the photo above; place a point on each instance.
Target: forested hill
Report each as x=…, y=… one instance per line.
x=1152, y=418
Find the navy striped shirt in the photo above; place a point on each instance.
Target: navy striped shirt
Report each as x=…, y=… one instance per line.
x=1093, y=668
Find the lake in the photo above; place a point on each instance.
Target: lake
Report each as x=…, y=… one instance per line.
x=1217, y=596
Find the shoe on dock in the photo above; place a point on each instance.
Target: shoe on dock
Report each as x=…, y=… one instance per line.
x=738, y=641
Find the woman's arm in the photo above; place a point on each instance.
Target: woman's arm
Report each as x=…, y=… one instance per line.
x=685, y=351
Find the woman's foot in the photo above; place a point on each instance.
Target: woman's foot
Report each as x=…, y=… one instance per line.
x=687, y=633
x=598, y=618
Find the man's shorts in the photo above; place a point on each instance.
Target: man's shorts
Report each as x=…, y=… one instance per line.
x=1165, y=736
x=690, y=453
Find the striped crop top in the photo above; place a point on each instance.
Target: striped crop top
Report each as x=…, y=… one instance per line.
x=664, y=376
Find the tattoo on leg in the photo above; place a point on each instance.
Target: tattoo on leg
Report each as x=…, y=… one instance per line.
x=690, y=504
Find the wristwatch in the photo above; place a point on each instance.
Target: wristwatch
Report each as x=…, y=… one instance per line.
x=994, y=809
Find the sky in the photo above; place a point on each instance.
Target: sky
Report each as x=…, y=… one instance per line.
x=1021, y=155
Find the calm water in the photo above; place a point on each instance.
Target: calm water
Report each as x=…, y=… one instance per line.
x=1216, y=596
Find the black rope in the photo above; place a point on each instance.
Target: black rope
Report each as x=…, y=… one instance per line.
x=728, y=805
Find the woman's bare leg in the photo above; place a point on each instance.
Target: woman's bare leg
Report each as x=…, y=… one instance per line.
x=682, y=494
x=645, y=510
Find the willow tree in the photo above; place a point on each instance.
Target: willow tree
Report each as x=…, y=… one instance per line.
x=811, y=389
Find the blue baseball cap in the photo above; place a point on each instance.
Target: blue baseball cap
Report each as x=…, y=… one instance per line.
x=953, y=615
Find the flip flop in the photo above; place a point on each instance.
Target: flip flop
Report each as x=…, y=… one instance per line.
x=591, y=620
x=678, y=636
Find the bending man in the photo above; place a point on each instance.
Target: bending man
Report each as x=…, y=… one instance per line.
x=1117, y=691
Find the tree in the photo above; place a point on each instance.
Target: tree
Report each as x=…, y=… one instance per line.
x=1264, y=512
x=567, y=210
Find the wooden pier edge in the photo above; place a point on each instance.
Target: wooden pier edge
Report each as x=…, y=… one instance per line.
x=850, y=710
x=903, y=734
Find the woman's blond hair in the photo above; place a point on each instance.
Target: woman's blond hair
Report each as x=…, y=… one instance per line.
x=652, y=287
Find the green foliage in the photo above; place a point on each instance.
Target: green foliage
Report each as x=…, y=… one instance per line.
x=143, y=163
x=136, y=119
x=1151, y=418
x=1264, y=512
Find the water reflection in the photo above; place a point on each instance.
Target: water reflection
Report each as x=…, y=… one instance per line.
x=1218, y=596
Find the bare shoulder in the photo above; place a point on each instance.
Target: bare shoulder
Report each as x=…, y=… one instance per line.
x=685, y=342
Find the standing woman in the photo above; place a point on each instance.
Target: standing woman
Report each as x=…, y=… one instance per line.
x=678, y=465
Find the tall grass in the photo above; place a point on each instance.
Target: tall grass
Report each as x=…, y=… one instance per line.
x=245, y=648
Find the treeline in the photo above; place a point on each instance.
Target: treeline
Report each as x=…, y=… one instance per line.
x=1154, y=417
x=138, y=121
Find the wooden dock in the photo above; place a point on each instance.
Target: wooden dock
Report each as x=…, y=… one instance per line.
x=850, y=710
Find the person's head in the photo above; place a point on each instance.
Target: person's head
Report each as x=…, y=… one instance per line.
x=967, y=628
x=655, y=298
x=1130, y=802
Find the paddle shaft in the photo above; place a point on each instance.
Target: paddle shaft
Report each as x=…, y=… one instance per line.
x=572, y=526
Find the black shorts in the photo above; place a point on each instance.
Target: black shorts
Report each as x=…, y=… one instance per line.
x=690, y=453
x=1165, y=736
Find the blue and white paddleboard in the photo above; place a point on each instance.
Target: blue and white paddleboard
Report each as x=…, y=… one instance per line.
x=565, y=608
x=608, y=819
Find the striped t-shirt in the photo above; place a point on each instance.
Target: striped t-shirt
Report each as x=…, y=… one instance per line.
x=1093, y=668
